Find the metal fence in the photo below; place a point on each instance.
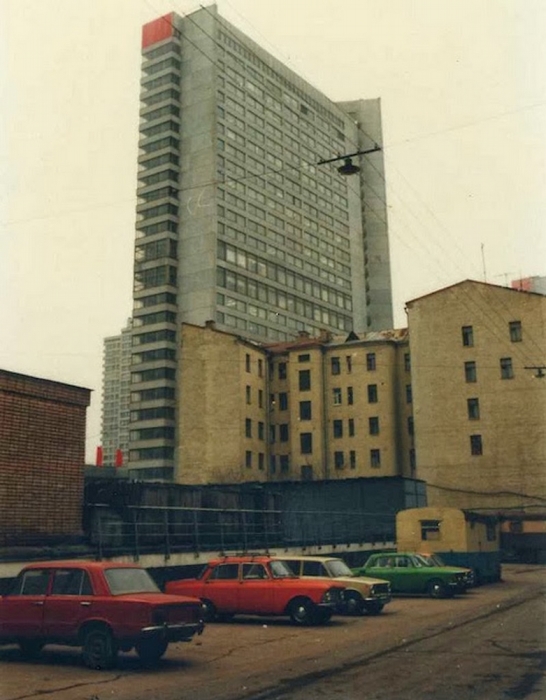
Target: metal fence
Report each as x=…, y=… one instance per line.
x=167, y=530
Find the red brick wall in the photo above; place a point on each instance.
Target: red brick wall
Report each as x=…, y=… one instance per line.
x=42, y=454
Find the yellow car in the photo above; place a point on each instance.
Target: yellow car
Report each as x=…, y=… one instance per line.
x=362, y=594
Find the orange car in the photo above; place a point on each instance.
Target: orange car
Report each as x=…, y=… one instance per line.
x=259, y=585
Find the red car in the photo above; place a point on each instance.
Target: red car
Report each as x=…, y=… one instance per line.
x=102, y=607
x=259, y=585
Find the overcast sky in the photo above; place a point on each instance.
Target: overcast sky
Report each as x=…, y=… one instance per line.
x=463, y=91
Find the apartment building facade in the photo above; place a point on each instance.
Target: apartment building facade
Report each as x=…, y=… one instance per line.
x=237, y=222
x=116, y=378
x=479, y=398
x=308, y=409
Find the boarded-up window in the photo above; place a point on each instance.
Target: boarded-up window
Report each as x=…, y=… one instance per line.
x=430, y=529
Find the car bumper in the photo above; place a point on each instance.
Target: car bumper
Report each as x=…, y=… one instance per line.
x=182, y=632
x=378, y=599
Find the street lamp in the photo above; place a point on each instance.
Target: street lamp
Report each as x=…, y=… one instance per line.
x=348, y=167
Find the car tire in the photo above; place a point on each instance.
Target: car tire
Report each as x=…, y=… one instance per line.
x=303, y=612
x=437, y=589
x=99, y=649
x=210, y=613
x=354, y=605
x=30, y=648
x=151, y=650
x=323, y=616
x=373, y=608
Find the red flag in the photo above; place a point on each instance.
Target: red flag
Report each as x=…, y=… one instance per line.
x=119, y=458
x=98, y=461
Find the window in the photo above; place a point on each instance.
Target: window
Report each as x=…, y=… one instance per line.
x=335, y=364
x=338, y=428
x=515, y=331
x=468, y=336
x=307, y=472
x=248, y=394
x=283, y=432
x=412, y=459
x=350, y=397
x=254, y=571
x=71, y=582
x=305, y=379
x=473, y=406
x=272, y=464
x=304, y=358
x=373, y=422
x=261, y=461
x=248, y=427
x=283, y=401
x=339, y=460
x=372, y=393
x=260, y=368
x=284, y=463
x=272, y=429
x=470, y=373
x=407, y=362
x=260, y=398
x=225, y=572
x=409, y=393
x=248, y=459
x=351, y=427
x=305, y=410
x=375, y=458
x=507, y=371
x=349, y=364
x=410, y=425
x=430, y=530
x=261, y=430
x=306, y=443
x=247, y=362
x=337, y=396
x=476, y=445
x=32, y=582
x=352, y=459
x=282, y=370
x=370, y=361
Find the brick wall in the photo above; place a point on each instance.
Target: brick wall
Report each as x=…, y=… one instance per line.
x=42, y=454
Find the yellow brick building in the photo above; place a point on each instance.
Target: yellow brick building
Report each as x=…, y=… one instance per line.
x=479, y=408
x=313, y=408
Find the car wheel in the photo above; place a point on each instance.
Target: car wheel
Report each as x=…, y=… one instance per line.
x=151, y=650
x=99, y=649
x=303, y=612
x=437, y=589
x=209, y=611
x=354, y=603
x=374, y=608
x=30, y=648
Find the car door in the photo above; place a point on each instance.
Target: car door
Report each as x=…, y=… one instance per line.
x=23, y=606
x=257, y=590
x=221, y=587
x=69, y=603
x=406, y=580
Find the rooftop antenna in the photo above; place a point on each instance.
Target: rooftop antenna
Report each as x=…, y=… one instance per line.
x=483, y=265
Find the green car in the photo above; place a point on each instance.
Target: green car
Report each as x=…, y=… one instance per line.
x=411, y=573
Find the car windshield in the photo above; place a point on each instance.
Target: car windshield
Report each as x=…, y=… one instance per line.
x=434, y=559
x=337, y=567
x=280, y=570
x=128, y=580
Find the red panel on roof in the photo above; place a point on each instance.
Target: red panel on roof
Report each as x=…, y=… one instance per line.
x=159, y=29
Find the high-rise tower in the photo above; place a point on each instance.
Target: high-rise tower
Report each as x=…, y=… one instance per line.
x=237, y=222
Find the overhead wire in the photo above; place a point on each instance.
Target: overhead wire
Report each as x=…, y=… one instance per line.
x=500, y=333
